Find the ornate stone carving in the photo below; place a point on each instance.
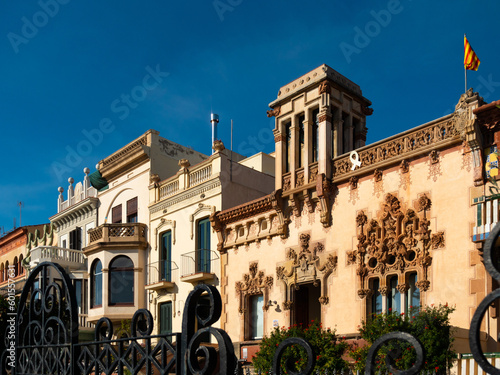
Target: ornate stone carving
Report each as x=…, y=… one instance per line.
x=313, y=173
x=434, y=157
x=184, y=163
x=377, y=175
x=395, y=242
x=367, y=111
x=154, y=178
x=417, y=141
x=286, y=183
x=299, y=180
x=253, y=283
x=218, y=146
x=403, y=288
x=323, y=190
x=274, y=112
x=306, y=263
x=353, y=182
x=324, y=87
x=384, y=290
x=437, y=240
x=404, y=166
x=287, y=305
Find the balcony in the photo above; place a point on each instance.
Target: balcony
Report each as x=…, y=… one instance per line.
x=67, y=258
x=161, y=275
x=118, y=236
x=200, y=265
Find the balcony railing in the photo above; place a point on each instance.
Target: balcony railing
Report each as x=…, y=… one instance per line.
x=201, y=261
x=122, y=232
x=162, y=272
x=66, y=257
x=197, y=177
x=169, y=189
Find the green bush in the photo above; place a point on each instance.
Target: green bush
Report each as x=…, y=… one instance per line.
x=430, y=325
x=328, y=347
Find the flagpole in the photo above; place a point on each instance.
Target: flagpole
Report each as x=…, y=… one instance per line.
x=465, y=69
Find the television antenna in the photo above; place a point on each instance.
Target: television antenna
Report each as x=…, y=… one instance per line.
x=21, y=205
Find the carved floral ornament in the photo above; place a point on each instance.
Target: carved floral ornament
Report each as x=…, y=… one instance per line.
x=305, y=264
x=397, y=242
x=253, y=283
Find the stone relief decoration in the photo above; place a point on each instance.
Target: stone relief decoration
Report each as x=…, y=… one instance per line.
x=353, y=189
x=254, y=282
x=313, y=172
x=201, y=207
x=434, y=166
x=404, y=175
x=324, y=188
x=304, y=264
x=299, y=180
x=378, y=185
x=399, y=240
x=154, y=179
x=218, y=146
x=468, y=128
x=184, y=164
x=165, y=222
x=275, y=112
x=466, y=157
x=286, y=183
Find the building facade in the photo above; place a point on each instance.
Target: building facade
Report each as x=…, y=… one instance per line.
x=183, y=244
x=118, y=247
x=395, y=224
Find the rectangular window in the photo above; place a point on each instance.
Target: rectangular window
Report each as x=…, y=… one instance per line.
x=75, y=239
x=203, y=251
x=116, y=214
x=315, y=135
x=479, y=214
x=78, y=292
x=412, y=294
x=166, y=318
x=132, y=210
x=288, y=146
x=166, y=256
x=393, y=298
x=302, y=147
x=256, y=322
x=376, y=305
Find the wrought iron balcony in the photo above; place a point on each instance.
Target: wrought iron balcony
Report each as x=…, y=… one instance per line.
x=162, y=275
x=120, y=235
x=199, y=265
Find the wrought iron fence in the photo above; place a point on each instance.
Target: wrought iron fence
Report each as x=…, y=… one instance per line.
x=46, y=339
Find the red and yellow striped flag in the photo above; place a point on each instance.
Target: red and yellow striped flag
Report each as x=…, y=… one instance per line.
x=471, y=62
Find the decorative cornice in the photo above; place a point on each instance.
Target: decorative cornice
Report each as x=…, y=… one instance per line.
x=416, y=142
x=170, y=201
x=246, y=210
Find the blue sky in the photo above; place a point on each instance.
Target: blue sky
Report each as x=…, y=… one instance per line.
x=68, y=65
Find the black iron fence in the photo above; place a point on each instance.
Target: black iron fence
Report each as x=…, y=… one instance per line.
x=46, y=335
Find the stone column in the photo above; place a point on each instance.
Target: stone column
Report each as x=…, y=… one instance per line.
x=325, y=146
x=279, y=163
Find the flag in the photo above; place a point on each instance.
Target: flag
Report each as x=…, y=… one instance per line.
x=471, y=62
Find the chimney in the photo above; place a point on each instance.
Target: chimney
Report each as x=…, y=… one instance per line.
x=214, y=119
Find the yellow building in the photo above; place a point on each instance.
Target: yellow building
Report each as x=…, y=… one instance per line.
x=394, y=224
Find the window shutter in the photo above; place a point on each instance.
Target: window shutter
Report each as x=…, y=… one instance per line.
x=116, y=214
x=132, y=206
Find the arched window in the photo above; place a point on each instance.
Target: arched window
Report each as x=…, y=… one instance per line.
x=21, y=268
x=16, y=273
x=121, y=281
x=96, y=284
x=6, y=271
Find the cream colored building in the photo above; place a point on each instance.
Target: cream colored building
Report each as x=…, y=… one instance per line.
x=398, y=223
x=184, y=249
x=118, y=248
